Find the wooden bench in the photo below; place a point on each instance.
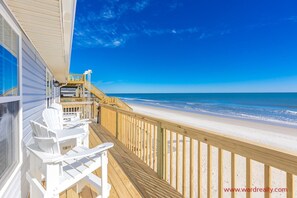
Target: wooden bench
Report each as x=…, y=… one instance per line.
x=143, y=178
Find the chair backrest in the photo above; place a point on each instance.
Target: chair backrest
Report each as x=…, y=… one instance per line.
x=52, y=119
x=58, y=107
x=45, y=138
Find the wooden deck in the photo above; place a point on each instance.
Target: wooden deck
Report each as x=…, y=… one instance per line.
x=128, y=175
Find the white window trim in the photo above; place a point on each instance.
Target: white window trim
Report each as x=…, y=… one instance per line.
x=13, y=25
x=51, y=97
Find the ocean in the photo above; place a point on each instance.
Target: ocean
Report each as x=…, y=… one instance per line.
x=273, y=108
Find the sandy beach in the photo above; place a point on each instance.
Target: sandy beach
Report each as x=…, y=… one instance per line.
x=280, y=137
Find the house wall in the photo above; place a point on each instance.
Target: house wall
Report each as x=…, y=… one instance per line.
x=34, y=102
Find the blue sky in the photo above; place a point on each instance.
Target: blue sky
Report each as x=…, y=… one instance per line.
x=187, y=46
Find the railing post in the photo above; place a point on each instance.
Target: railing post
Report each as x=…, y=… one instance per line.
x=160, y=151
x=117, y=125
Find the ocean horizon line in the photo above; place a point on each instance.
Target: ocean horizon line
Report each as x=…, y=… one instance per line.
x=280, y=107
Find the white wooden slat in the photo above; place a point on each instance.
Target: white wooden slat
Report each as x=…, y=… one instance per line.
x=86, y=161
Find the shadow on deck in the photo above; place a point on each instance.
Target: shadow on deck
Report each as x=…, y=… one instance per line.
x=128, y=175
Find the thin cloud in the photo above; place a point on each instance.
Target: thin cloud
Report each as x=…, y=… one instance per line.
x=175, y=4
x=103, y=27
x=291, y=19
x=140, y=5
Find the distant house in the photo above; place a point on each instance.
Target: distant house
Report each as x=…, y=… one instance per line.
x=35, y=50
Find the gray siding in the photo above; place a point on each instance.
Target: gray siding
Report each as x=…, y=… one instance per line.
x=34, y=94
x=34, y=90
x=34, y=87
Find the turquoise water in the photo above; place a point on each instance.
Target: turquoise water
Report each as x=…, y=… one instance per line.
x=274, y=108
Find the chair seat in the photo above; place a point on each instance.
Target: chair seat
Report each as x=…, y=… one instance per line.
x=75, y=170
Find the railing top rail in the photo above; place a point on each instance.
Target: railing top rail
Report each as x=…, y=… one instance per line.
x=276, y=157
x=75, y=77
x=76, y=74
x=77, y=103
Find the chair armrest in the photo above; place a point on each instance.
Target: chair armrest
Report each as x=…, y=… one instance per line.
x=88, y=152
x=73, y=125
x=46, y=158
x=84, y=121
x=67, y=134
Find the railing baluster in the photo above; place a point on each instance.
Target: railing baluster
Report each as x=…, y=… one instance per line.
x=248, y=177
x=147, y=143
x=191, y=168
x=126, y=129
x=123, y=126
x=209, y=171
x=150, y=145
x=135, y=136
x=166, y=154
x=199, y=169
x=138, y=139
x=177, y=161
x=131, y=133
x=117, y=125
x=155, y=147
x=160, y=151
x=142, y=141
x=184, y=166
x=128, y=135
x=220, y=173
x=233, y=174
x=290, y=185
x=171, y=159
x=267, y=180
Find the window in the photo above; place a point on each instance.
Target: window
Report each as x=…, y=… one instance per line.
x=10, y=100
x=8, y=135
x=49, y=88
x=8, y=56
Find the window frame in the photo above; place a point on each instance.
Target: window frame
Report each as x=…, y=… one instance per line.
x=49, y=98
x=14, y=170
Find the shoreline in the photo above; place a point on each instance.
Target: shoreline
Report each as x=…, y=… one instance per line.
x=280, y=137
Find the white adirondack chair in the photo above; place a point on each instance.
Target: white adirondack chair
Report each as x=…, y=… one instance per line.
x=66, y=137
x=59, y=172
x=52, y=119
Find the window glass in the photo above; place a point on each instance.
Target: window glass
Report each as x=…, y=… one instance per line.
x=8, y=60
x=49, y=88
x=49, y=82
x=9, y=110
x=9, y=131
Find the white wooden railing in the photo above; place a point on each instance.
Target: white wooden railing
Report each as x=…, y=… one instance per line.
x=87, y=110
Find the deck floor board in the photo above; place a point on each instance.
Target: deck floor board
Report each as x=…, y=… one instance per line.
x=142, y=176
x=127, y=174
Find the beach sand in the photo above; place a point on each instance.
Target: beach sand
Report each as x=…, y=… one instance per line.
x=280, y=137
